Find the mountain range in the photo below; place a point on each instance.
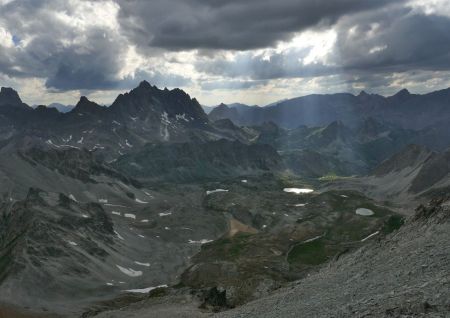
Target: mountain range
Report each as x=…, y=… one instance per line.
x=403, y=109
x=150, y=204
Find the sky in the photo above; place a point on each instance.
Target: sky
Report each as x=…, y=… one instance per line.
x=252, y=51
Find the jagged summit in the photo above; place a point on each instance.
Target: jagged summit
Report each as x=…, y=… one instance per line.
x=144, y=84
x=363, y=94
x=404, y=93
x=147, y=99
x=85, y=106
x=10, y=97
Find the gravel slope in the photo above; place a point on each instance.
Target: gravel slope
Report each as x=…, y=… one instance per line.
x=405, y=275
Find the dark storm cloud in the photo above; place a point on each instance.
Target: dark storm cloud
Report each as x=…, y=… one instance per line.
x=397, y=41
x=229, y=24
x=375, y=38
x=369, y=47
x=87, y=67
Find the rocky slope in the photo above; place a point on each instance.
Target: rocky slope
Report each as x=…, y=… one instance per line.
x=411, y=176
x=182, y=162
x=403, y=275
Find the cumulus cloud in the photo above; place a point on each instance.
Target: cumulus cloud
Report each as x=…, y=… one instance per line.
x=72, y=45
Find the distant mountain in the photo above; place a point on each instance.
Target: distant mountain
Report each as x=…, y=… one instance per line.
x=207, y=109
x=342, y=150
x=230, y=111
x=403, y=109
x=61, y=108
x=276, y=103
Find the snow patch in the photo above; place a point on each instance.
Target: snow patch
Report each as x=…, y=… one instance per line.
x=116, y=123
x=116, y=213
x=129, y=271
x=165, y=118
x=70, y=146
x=364, y=212
x=130, y=216
x=118, y=205
x=67, y=140
x=164, y=130
x=140, y=201
x=204, y=241
x=128, y=144
x=80, y=141
x=72, y=197
x=298, y=190
x=73, y=243
x=312, y=239
x=370, y=236
x=119, y=236
x=165, y=214
x=215, y=191
x=244, y=181
x=50, y=142
x=144, y=290
x=145, y=221
x=142, y=264
x=103, y=200
x=147, y=193
x=97, y=146
x=182, y=117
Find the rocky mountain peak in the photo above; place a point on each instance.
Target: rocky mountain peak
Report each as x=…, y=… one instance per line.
x=147, y=99
x=402, y=94
x=10, y=97
x=144, y=84
x=224, y=111
x=86, y=106
x=363, y=94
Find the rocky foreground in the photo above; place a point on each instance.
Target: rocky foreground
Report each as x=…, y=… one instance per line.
x=406, y=274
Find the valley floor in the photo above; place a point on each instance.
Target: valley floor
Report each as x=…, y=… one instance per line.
x=406, y=274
